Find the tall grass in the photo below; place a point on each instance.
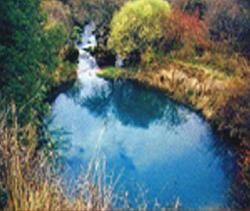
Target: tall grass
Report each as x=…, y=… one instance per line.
x=30, y=183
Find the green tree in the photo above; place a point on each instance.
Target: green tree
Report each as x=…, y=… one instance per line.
x=138, y=27
x=20, y=55
x=28, y=57
x=53, y=40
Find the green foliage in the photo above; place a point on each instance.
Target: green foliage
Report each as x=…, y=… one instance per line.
x=110, y=73
x=29, y=57
x=138, y=26
x=53, y=41
x=61, y=53
x=21, y=56
x=76, y=34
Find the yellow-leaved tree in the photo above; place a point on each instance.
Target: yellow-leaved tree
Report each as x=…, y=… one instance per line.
x=138, y=27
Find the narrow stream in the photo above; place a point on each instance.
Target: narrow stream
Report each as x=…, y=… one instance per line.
x=154, y=145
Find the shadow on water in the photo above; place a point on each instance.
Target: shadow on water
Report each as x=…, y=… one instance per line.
x=229, y=162
x=131, y=103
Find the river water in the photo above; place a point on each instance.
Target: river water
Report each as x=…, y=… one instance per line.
x=154, y=146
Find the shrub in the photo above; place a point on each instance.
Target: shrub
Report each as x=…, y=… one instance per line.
x=57, y=12
x=21, y=58
x=191, y=6
x=230, y=64
x=76, y=34
x=187, y=32
x=138, y=26
x=233, y=117
x=229, y=21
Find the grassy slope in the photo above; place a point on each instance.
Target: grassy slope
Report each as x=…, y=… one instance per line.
x=111, y=73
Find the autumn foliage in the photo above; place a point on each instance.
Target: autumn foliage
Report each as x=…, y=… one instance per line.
x=187, y=29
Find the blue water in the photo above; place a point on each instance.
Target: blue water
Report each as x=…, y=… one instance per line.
x=154, y=145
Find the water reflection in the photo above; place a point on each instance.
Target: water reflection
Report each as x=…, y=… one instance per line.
x=130, y=103
x=137, y=106
x=99, y=102
x=154, y=141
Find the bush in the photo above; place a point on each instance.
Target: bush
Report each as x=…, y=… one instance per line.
x=229, y=21
x=76, y=34
x=138, y=27
x=21, y=58
x=187, y=30
x=229, y=64
x=187, y=33
x=191, y=6
x=57, y=12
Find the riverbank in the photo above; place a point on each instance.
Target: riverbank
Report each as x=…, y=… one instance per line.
x=201, y=88
x=221, y=99
x=185, y=83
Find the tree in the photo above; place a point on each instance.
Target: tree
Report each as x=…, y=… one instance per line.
x=186, y=31
x=28, y=57
x=20, y=55
x=138, y=27
x=229, y=22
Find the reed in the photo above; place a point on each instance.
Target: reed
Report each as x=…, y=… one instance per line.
x=30, y=183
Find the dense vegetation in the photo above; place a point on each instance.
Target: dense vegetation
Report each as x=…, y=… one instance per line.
x=36, y=56
x=30, y=62
x=196, y=50
x=146, y=17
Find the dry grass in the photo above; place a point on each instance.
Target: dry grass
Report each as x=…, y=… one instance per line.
x=30, y=183
x=57, y=12
x=27, y=177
